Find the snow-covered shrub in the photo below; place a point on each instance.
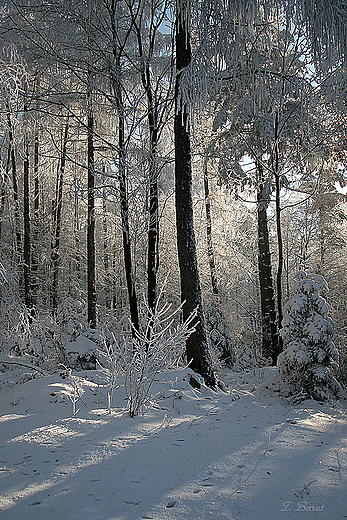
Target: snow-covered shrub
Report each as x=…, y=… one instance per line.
x=245, y=359
x=13, y=314
x=71, y=317
x=157, y=347
x=220, y=342
x=112, y=360
x=308, y=359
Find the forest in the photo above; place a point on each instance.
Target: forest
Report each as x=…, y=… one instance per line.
x=173, y=233
x=198, y=156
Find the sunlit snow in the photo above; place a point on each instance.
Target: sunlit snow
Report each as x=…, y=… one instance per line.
x=194, y=454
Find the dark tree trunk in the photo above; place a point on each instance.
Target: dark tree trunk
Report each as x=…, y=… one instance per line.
x=91, y=297
x=77, y=257
x=124, y=202
x=196, y=346
x=106, y=249
x=279, y=236
x=57, y=207
x=117, y=89
x=267, y=300
x=17, y=233
x=210, y=252
x=35, y=234
x=27, y=242
x=153, y=226
x=125, y=226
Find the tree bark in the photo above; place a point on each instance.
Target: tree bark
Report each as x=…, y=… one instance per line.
x=279, y=237
x=57, y=208
x=35, y=234
x=267, y=300
x=17, y=233
x=91, y=296
x=210, y=252
x=105, y=250
x=196, y=345
x=122, y=178
x=27, y=239
x=153, y=225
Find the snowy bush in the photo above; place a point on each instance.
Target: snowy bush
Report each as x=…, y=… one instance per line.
x=14, y=316
x=112, y=361
x=155, y=348
x=245, y=359
x=220, y=342
x=71, y=317
x=308, y=359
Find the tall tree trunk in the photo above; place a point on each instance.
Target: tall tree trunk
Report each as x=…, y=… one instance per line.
x=279, y=235
x=91, y=290
x=77, y=232
x=117, y=89
x=17, y=233
x=27, y=239
x=196, y=345
x=57, y=208
x=267, y=300
x=91, y=225
x=210, y=252
x=125, y=223
x=36, y=220
x=134, y=316
x=153, y=226
x=105, y=248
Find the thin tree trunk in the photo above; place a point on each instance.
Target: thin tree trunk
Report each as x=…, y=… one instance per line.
x=35, y=234
x=91, y=290
x=125, y=212
x=125, y=224
x=17, y=233
x=117, y=88
x=77, y=235
x=267, y=300
x=210, y=252
x=105, y=247
x=279, y=236
x=91, y=225
x=57, y=208
x=196, y=345
x=27, y=241
x=153, y=227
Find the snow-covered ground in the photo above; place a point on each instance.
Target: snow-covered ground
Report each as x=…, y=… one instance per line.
x=193, y=454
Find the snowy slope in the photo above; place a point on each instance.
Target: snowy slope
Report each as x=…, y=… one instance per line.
x=193, y=454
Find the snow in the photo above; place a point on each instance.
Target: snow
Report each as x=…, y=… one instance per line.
x=194, y=454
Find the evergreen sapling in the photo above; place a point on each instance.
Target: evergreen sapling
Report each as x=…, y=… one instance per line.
x=310, y=355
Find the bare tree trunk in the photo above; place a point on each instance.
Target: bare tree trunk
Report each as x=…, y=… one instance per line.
x=210, y=252
x=91, y=225
x=279, y=236
x=27, y=239
x=57, y=207
x=17, y=233
x=196, y=345
x=77, y=230
x=153, y=226
x=36, y=220
x=267, y=300
x=125, y=212
x=117, y=88
x=105, y=248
